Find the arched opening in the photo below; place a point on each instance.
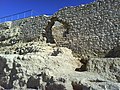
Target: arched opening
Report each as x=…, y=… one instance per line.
x=56, y=30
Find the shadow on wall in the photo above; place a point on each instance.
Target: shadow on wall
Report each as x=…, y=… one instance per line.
x=113, y=53
x=60, y=32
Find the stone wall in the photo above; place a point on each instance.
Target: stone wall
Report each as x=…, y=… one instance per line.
x=31, y=27
x=94, y=28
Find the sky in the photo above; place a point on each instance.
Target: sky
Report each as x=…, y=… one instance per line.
x=49, y=7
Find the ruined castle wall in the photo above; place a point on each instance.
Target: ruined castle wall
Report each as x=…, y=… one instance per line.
x=94, y=28
x=31, y=27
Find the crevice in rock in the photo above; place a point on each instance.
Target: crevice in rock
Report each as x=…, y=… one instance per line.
x=2, y=73
x=97, y=80
x=13, y=75
x=84, y=62
x=118, y=78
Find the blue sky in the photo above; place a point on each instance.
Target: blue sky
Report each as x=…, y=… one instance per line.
x=8, y=7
